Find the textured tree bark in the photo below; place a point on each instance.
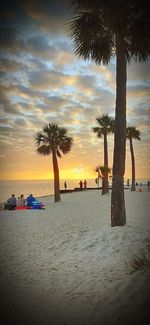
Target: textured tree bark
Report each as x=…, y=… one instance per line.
x=133, y=166
x=105, y=151
x=105, y=187
x=118, y=213
x=56, y=178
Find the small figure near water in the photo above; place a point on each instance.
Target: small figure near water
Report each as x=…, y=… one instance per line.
x=128, y=182
x=65, y=185
x=97, y=181
x=11, y=203
x=85, y=184
x=81, y=185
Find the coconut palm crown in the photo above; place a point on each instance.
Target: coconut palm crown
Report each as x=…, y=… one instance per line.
x=132, y=133
x=101, y=30
x=54, y=140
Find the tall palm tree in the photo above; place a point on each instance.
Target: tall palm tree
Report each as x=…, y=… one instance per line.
x=132, y=133
x=102, y=29
x=54, y=140
x=106, y=126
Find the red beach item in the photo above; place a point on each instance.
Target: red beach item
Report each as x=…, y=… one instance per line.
x=22, y=208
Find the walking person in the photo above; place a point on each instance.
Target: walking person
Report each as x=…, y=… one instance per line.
x=81, y=185
x=65, y=185
x=128, y=182
x=85, y=184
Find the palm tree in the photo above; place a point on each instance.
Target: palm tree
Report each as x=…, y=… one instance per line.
x=102, y=29
x=132, y=133
x=54, y=140
x=106, y=126
x=104, y=174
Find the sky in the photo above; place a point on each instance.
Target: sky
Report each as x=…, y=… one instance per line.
x=42, y=81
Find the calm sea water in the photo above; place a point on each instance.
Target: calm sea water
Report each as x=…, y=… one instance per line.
x=37, y=187
x=40, y=187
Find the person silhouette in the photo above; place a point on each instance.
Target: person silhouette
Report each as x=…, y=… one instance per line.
x=81, y=185
x=65, y=184
x=85, y=184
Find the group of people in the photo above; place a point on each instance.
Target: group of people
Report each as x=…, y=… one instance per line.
x=13, y=202
x=83, y=184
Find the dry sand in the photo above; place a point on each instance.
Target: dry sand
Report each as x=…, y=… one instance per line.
x=66, y=265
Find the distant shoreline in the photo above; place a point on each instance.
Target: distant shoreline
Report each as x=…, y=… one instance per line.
x=77, y=189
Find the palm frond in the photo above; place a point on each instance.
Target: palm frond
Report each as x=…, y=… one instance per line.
x=39, y=138
x=105, y=170
x=53, y=139
x=106, y=125
x=132, y=133
x=66, y=145
x=83, y=4
x=96, y=23
x=44, y=150
x=91, y=40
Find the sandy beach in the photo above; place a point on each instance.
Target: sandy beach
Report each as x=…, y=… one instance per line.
x=66, y=265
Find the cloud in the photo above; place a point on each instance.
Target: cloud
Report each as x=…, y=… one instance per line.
x=85, y=83
x=49, y=14
x=54, y=102
x=11, y=65
x=48, y=79
x=36, y=64
x=6, y=105
x=10, y=40
x=39, y=47
x=21, y=122
x=26, y=92
x=139, y=71
x=139, y=90
x=43, y=81
x=62, y=59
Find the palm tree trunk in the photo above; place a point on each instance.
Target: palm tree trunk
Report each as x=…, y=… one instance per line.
x=118, y=214
x=133, y=165
x=105, y=187
x=105, y=151
x=56, y=178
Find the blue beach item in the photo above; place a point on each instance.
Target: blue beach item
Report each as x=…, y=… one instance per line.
x=36, y=205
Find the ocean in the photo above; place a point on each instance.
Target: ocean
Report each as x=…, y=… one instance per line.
x=41, y=187
x=36, y=187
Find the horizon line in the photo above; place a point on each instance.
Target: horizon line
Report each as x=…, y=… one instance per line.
x=51, y=179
